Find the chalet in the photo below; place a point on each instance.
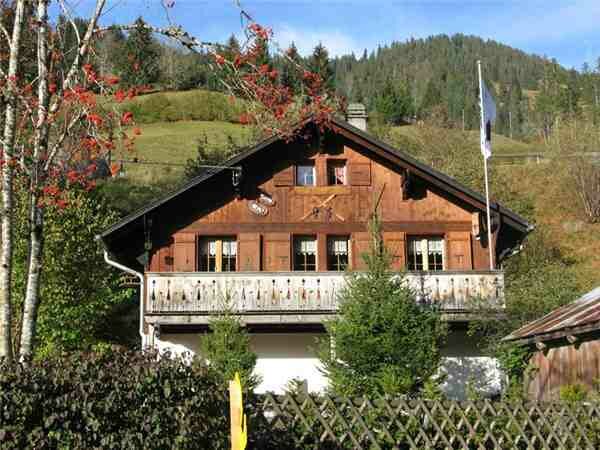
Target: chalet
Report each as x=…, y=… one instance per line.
x=271, y=232
x=565, y=346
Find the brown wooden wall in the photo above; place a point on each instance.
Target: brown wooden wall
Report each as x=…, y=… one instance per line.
x=264, y=243
x=565, y=365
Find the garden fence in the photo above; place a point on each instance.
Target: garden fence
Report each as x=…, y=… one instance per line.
x=323, y=422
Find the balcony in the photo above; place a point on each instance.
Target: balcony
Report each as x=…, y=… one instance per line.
x=301, y=297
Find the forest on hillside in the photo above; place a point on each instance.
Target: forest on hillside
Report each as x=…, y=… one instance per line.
x=400, y=83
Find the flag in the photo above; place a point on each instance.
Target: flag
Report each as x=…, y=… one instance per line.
x=488, y=111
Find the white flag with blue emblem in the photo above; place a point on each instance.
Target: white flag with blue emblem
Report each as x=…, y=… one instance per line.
x=488, y=110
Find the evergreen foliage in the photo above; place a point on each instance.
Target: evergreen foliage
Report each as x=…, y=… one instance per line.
x=394, y=103
x=320, y=64
x=139, y=63
x=383, y=341
x=227, y=351
x=290, y=75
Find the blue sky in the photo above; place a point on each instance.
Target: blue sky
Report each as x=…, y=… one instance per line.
x=566, y=30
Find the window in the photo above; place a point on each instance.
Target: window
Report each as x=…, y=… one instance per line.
x=425, y=253
x=305, y=175
x=217, y=254
x=337, y=252
x=336, y=172
x=305, y=253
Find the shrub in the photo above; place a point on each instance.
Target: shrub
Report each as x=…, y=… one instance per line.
x=120, y=400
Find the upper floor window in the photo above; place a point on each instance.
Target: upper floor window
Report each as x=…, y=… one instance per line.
x=305, y=253
x=336, y=172
x=426, y=253
x=337, y=252
x=217, y=254
x=305, y=175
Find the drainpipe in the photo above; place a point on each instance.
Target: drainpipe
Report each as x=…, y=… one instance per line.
x=141, y=278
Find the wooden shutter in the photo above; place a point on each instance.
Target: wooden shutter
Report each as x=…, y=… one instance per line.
x=359, y=174
x=284, y=177
x=395, y=242
x=361, y=243
x=458, y=245
x=184, y=253
x=249, y=252
x=277, y=254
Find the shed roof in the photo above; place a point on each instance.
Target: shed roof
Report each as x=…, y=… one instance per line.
x=580, y=316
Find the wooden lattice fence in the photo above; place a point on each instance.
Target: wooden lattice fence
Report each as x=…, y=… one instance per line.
x=323, y=422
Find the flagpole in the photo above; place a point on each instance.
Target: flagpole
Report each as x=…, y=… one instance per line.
x=485, y=168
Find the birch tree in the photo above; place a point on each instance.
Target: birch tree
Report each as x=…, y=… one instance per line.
x=8, y=147
x=70, y=116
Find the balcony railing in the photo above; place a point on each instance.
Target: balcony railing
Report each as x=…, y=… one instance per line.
x=306, y=292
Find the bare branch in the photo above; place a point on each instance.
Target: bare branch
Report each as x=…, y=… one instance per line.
x=69, y=16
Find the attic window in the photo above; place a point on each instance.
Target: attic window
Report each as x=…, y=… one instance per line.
x=336, y=172
x=305, y=174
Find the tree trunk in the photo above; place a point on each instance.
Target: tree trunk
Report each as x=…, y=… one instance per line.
x=6, y=213
x=34, y=271
x=36, y=217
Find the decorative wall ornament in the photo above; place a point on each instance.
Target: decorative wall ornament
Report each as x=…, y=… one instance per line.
x=256, y=208
x=266, y=200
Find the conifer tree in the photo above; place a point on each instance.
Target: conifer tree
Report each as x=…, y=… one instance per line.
x=394, y=102
x=139, y=64
x=383, y=341
x=290, y=76
x=319, y=64
x=227, y=351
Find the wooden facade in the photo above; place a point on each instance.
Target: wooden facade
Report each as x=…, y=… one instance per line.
x=297, y=216
x=264, y=243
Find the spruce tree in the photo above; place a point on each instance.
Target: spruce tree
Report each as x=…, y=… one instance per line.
x=227, y=351
x=319, y=63
x=290, y=72
x=383, y=341
x=140, y=64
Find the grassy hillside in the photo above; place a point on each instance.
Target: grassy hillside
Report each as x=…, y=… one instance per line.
x=501, y=145
x=174, y=143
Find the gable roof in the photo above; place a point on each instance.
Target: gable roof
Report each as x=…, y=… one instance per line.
x=390, y=153
x=580, y=316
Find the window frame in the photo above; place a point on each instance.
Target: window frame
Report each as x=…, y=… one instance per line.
x=303, y=165
x=330, y=255
x=305, y=264
x=220, y=262
x=423, y=241
x=333, y=164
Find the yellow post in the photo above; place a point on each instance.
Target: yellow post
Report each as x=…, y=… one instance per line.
x=239, y=432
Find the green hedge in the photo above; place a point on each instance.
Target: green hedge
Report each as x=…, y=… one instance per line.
x=188, y=105
x=118, y=400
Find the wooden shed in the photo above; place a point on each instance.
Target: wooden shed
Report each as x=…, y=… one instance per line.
x=566, y=344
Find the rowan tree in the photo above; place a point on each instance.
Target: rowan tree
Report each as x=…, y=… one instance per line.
x=60, y=124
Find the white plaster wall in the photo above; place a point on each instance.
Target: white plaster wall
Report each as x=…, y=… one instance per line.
x=285, y=356
x=463, y=364
x=281, y=357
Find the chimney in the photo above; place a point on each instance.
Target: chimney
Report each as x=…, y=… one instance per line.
x=357, y=115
